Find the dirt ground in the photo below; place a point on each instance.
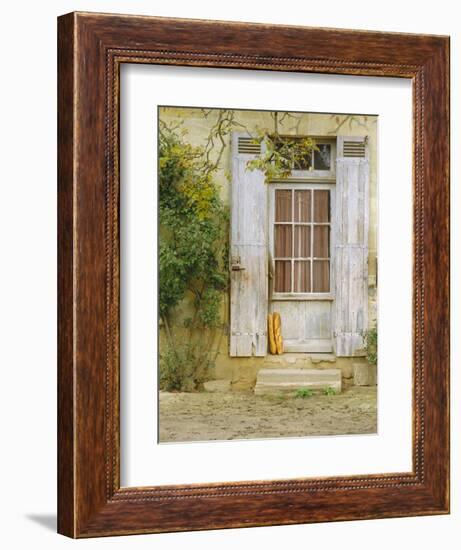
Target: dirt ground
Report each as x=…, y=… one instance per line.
x=222, y=416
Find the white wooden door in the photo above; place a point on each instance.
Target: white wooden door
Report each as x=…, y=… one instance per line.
x=300, y=245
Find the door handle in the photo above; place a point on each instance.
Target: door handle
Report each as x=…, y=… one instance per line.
x=235, y=264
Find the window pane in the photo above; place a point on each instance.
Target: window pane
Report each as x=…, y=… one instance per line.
x=302, y=241
x=302, y=276
x=302, y=206
x=283, y=240
x=321, y=206
x=283, y=205
x=321, y=275
x=303, y=162
x=322, y=157
x=282, y=281
x=321, y=241
x=290, y=149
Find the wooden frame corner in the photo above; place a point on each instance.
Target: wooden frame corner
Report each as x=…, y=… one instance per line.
x=91, y=48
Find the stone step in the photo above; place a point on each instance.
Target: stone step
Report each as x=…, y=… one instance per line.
x=299, y=360
x=275, y=381
x=364, y=374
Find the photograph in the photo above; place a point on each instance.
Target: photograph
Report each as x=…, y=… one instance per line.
x=267, y=274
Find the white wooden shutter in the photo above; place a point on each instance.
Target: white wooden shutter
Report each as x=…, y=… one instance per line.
x=351, y=245
x=248, y=253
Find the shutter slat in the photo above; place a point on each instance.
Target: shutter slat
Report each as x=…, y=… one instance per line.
x=248, y=146
x=354, y=149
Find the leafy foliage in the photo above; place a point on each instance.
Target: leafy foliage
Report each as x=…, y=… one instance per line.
x=192, y=234
x=329, y=391
x=304, y=392
x=281, y=155
x=181, y=369
x=371, y=341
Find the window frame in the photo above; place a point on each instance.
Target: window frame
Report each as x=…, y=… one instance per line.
x=304, y=185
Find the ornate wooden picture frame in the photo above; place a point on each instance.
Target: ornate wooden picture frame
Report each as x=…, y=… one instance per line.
x=92, y=48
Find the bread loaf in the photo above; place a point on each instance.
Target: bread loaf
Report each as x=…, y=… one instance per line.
x=270, y=332
x=277, y=322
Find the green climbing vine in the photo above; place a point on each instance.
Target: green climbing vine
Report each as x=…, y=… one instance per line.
x=371, y=345
x=280, y=154
x=192, y=266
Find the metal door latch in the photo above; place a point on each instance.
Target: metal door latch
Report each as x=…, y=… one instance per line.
x=235, y=264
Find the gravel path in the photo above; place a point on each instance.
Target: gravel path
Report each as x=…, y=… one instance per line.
x=220, y=416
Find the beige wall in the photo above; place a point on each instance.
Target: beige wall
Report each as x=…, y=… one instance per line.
x=198, y=125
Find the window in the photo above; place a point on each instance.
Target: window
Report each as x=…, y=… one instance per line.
x=302, y=241
x=317, y=159
x=322, y=157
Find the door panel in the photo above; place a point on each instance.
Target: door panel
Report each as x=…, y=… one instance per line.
x=306, y=325
x=300, y=250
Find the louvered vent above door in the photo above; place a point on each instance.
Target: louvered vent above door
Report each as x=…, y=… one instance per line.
x=354, y=149
x=248, y=146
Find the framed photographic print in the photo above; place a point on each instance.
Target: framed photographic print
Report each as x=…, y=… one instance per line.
x=253, y=275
